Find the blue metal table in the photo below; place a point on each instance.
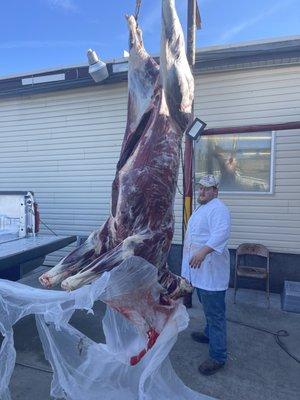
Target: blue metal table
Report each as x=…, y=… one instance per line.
x=20, y=256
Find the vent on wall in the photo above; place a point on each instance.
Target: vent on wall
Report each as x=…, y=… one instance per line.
x=43, y=79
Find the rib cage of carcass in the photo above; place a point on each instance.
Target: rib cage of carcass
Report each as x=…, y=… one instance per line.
x=141, y=222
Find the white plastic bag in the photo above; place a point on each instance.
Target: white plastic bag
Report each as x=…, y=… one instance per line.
x=84, y=369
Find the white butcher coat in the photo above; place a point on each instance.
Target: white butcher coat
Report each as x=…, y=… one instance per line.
x=209, y=225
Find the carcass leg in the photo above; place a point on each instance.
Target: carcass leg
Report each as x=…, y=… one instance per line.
x=104, y=262
x=143, y=73
x=95, y=244
x=175, y=285
x=178, y=81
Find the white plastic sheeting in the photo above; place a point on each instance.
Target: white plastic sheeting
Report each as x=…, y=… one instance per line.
x=84, y=369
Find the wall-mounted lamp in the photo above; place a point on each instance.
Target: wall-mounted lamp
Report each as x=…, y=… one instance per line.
x=97, y=68
x=195, y=129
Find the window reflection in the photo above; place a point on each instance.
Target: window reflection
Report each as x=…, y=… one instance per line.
x=242, y=162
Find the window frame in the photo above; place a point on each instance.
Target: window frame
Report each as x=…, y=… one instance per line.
x=272, y=165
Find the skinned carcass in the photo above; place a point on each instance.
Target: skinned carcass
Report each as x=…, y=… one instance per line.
x=143, y=191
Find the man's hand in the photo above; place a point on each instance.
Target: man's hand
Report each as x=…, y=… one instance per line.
x=198, y=258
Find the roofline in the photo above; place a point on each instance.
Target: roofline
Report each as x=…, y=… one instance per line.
x=250, y=43
x=58, y=68
x=199, y=50
x=39, y=71
x=254, y=54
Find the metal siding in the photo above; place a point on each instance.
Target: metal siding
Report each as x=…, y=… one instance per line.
x=65, y=145
x=259, y=97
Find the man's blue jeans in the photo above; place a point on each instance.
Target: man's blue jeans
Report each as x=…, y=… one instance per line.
x=213, y=303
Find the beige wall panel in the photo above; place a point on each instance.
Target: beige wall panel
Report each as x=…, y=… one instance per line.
x=65, y=145
x=260, y=96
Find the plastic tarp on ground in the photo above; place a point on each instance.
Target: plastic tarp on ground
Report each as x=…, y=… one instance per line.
x=84, y=369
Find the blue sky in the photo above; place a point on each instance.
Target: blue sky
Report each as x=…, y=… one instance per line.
x=39, y=34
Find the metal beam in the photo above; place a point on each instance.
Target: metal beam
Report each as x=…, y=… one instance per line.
x=252, y=128
x=188, y=149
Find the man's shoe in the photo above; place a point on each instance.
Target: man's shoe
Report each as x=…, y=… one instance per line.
x=199, y=337
x=210, y=366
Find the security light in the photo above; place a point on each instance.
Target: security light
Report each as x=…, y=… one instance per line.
x=97, y=68
x=195, y=129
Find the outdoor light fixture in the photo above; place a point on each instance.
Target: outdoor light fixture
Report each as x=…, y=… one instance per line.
x=97, y=68
x=195, y=129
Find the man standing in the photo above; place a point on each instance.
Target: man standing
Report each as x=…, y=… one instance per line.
x=206, y=265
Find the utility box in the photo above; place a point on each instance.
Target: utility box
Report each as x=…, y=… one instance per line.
x=290, y=298
x=18, y=215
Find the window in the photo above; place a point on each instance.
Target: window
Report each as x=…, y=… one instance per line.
x=242, y=162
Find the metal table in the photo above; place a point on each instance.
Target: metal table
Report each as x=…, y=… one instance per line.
x=18, y=257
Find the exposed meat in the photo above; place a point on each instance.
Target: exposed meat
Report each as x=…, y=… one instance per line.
x=141, y=222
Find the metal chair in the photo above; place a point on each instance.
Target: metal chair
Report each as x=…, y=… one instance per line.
x=248, y=271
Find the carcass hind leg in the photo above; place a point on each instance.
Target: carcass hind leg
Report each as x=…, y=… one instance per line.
x=175, y=285
x=105, y=262
x=77, y=259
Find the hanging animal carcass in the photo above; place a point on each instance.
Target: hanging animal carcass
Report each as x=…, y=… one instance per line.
x=141, y=222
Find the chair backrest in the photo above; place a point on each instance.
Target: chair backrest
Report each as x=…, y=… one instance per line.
x=252, y=249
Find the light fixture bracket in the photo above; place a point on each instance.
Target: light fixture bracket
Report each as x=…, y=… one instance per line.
x=195, y=129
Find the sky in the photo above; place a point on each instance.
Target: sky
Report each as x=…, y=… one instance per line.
x=42, y=34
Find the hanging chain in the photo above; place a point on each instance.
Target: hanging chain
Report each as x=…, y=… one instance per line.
x=137, y=9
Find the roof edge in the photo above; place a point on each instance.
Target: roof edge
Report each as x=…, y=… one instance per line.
x=262, y=53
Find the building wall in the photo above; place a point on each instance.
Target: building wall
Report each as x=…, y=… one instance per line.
x=65, y=145
x=260, y=96
x=272, y=220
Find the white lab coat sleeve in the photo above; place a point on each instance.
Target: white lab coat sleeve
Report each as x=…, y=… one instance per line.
x=219, y=226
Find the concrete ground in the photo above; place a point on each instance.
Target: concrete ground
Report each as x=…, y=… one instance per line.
x=257, y=369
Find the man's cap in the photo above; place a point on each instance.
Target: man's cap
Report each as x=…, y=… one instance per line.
x=209, y=181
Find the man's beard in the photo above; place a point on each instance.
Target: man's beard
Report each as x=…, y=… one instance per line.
x=201, y=202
